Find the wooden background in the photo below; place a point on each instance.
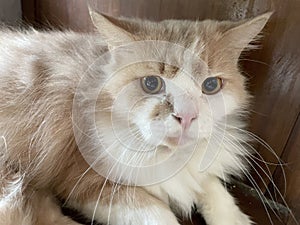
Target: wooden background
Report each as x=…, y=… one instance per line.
x=10, y=11
x=274, y=70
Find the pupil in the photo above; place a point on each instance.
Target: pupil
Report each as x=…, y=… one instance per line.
x=151, y=83
x=211, y=83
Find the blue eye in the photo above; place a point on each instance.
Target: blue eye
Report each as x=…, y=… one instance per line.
x=152, y=84
x=212, y=85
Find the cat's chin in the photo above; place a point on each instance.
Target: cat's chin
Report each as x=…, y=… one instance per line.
x=181, y=141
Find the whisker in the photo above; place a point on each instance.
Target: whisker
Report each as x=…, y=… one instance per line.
x=256, y=61
x=77, y=182
x=257, y=189
x=116, y=184
x=269, y=177
x=266, y=146
x=104, y=184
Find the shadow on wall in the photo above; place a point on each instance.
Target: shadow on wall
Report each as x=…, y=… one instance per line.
x=10, y=11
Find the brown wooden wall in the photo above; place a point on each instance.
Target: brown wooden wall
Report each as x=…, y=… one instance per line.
x=274, y=70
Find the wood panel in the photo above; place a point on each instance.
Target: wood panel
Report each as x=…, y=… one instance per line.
x=28, y=11
x=10, y=12
x=292, y=190
x=275, y=81
x=74, y=14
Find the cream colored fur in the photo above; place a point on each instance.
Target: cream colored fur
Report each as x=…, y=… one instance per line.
x=40, y=160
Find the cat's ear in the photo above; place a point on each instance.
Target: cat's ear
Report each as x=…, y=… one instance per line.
x=237, y=38
x=108, y=28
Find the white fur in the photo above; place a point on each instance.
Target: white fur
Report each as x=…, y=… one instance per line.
x=124, y=214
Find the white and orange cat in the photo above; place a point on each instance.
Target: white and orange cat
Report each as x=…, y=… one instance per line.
x=130, y=125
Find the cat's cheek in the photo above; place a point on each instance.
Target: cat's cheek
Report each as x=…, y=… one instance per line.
x=157, y=132
x=231, y=104
x=152, y=131
x=173, y=129
x=221, y=104
x=200, y=129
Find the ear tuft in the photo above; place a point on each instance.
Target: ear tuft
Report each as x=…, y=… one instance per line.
x=238, y=38
x=112, y=34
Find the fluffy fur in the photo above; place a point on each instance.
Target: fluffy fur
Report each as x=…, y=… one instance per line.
x=40, y=157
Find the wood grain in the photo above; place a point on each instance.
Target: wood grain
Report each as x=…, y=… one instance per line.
x=28, y=11
x=274, y=81
x=292, y=186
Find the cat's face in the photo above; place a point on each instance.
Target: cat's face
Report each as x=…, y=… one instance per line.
x=169, y=86
x=174, y=105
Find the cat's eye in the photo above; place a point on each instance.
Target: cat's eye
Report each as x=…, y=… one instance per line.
x=212, y=85
x=152, y=84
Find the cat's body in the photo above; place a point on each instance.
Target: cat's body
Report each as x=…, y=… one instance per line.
x=40, y=159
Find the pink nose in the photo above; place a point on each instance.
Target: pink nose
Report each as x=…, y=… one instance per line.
x=185, y=119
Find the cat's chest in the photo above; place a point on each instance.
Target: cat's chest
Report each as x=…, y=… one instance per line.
x=183, y=189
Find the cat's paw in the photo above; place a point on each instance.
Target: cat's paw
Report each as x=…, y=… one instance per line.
x=236, y=218
x=242, y=219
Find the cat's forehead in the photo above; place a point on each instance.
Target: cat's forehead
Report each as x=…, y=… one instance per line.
x=166, y=70
x=170, y=71
x=183, y=32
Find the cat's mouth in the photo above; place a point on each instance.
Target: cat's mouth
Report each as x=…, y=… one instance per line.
x=182, y=140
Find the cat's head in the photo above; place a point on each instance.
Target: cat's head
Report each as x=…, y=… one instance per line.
x=170, y=83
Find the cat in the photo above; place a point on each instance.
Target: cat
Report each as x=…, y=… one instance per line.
x=132, y=124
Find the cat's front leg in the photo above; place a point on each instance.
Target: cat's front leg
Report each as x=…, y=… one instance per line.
x=218, y=207
x=136, y=207
x=33, y=207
